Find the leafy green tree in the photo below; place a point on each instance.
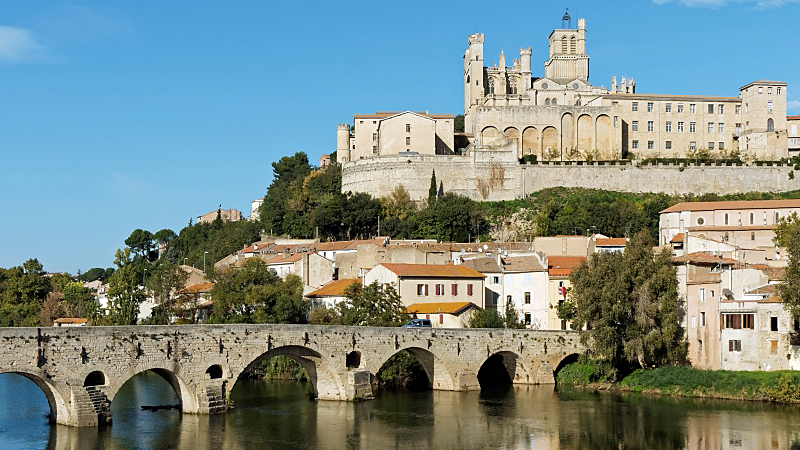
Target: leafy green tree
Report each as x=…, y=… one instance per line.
x=629, y=304
x=80, y=301
x=787, y=236
x=373, y=305
x=126, y=290
x=23, y=290
x=487, y=318
x=458, y=124
x=512, y=317
x=254, y=293
x=165, y=280
x=95, y=273
x=451, y=218
x=360, y=215
x=322, y=315
x=288, y=172
x=140, y=241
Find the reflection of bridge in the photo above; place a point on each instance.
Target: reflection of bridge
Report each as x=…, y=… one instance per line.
x=81, y=369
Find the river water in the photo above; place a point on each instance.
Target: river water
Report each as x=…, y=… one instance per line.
x=280, y=415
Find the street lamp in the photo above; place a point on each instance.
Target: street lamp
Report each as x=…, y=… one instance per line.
x=204, y=262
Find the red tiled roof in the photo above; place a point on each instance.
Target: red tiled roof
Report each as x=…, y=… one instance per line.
x=279, y=259
x=198, y=288
x=433, y=270
x=616, y=242
x=792, y=117
x=71, y=320
x=522, y=264
x=704, y=258
x=738, y=204
x=678, y=238
x=439, y=308
x=334, y=288
x=561, y=266
x=767, y=289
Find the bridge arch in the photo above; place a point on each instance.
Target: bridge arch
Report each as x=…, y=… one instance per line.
x=501, y=364
x=440, y=372
x=183, y=390
x=58, y=407
x=324, y=380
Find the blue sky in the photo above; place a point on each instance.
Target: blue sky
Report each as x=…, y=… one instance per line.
x=125, y=115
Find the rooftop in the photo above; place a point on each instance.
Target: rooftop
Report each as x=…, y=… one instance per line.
x=439, y=308
x=335, y=288
x=432, y=270
x=482, y=265
x=522, y=264
x=198, y=288
x=611, y=242
x=740, y=204
x=704, y=258
x=562, y=266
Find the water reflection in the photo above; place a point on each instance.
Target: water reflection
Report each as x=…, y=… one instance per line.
x=281, y=415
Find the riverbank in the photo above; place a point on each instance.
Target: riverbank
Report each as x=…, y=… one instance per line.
x=779, y=387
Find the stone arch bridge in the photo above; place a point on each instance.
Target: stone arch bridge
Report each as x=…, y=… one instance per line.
x=81, y=369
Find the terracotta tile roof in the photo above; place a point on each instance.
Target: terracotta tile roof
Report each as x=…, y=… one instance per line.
x=482, y=265
x=522, y=264
x=334, y=288
x=616, y=242
x=792, y=117
x=739, y=204
x=562, y=266
x=767, y=289
x=773, y=273
x=198, y=288
x=439, y=308
x=704, y=278
x=433, y=270
x=625, y=96
x=704, y=258
x=71, y=320
x=678, y=237
x=279, y=259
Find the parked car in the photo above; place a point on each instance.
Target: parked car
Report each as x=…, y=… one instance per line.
x=415, y=323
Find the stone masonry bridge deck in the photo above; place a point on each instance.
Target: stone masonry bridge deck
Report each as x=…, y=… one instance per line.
x=81, y=369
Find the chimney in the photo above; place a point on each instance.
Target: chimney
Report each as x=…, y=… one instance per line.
x=285, y=253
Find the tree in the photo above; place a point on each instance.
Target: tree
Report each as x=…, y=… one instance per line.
x=398, y=204
x=787, y=236
x=451, y=218
x=360, y=215
x=433, y=192
x=458, y=124
x=629, y=304
x=126, y=291
x=512, y=318
x=289, y=171
x=80, y=301
x=373, y=305
x=254, y=293
x=486, y=318
x=22, y=291
x=140, y=241
x=52, y=308
x=164, y=282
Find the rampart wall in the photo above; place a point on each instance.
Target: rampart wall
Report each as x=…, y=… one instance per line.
x=492, y=176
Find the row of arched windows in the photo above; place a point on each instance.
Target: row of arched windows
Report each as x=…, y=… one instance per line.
x=570, y=46
x=753, y=218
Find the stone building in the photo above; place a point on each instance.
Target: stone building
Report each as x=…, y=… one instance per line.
x=227, y=215
x=793, y=124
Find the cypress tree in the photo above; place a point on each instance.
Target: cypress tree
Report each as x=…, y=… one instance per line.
x=432, y=191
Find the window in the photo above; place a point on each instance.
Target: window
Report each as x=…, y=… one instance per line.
x=769, y=106
x=738, y=321
x=769, y=90
x=374, y=136
x=735, y=345
x=680, y=108
x=635, y=125
x=702, y=294
x=668, y=107
x=760, y=90
x=773, y=347
x=692, y=145
x=699, y=345
x=508, y=299
x=547, y=102
x=752, y=235
x=692, y=108
x=720, y=128
x=527, y=298
x=692, y=127
x=495, y=280
x=439, y=289
x=374, y=149
x=650, y=126
x=408, y=128
x=555, y=102
x=694, y=322
x=721, y=146
x=712, y=295
x=668, y=127
x=635, y=144
x=726, y=218
x=710, y=127
x=650, y=145
x=616, y=121
x=527, y=318
x=711, y=146
x=454, y=289
x=770, y=125
x=773, y=324
x=421, y=288
x=738, y=109
x=702, y=319
x=408, y=140
x=710, y=108
x=752, y=218
x=441, y=318
x=680, y=127
x=720, y=109
x=526, y=279
x=649, y=106
x=469, y=289
x=701, y=221
x=668, y=145
x=746, y=107
x=777, y=217
x=635, y=106
x=779, y=90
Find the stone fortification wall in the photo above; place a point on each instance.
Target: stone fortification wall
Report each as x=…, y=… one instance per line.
x=491, y=176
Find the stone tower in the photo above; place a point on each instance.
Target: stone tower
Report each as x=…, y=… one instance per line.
x=763, y=125
x=474, y=77
x=568, y=58
x=343, y=143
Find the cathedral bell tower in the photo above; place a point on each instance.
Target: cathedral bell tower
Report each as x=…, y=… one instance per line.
x=568, y=58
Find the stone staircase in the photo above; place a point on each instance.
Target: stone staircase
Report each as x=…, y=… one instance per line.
x=216, y=399
x=102, y=407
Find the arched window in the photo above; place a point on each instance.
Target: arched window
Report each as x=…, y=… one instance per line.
x=573, y=45
x=513, y=85
x=564, y=44
x=752, y=218
x=770, y=125
x=547, y=101
x=491, y=85
x=555, y=102
x=726, y=218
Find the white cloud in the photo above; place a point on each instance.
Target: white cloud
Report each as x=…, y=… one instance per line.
x=19, y=45
x=719, y=3
x=793, y=105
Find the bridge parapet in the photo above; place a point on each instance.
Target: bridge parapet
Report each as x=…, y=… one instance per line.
x=77, y=367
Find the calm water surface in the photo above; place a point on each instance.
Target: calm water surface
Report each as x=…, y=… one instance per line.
x=279, y=415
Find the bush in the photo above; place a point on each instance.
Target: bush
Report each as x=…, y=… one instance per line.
x=278, y=368
x=487, y=318
x=402, y=370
